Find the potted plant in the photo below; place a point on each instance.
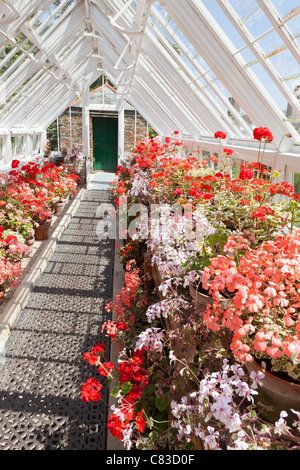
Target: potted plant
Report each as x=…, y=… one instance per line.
x=13, y=246
x=10, y=274
x=263, y=315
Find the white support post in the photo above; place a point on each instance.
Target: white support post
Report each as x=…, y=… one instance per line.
x=43, y=141
x=86, y=131
x=28, y=150
x=70, y=124
x=7, y=148
x=121, y=126
x=58, y=135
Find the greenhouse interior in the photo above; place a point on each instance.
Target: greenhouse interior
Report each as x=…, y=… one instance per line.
x=150, y=227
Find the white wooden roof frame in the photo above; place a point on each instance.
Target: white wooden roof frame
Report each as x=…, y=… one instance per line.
x=256, y=50
x=197, y=98
x=202, y=30
x=203, y=74
x=118, y=38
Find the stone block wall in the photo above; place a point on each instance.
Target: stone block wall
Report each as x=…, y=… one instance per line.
x=75, y=130
x=135, y=130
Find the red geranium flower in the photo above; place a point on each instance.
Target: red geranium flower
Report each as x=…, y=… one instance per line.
x=246, y=174
x=90, y=391
x=140, y=422
x=228, y=151
x=220, y=135
x=263, y=133
x=178, y=192
x=15, y=163
x=105, y=368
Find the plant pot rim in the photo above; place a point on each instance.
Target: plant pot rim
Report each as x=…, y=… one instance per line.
x=272, y=376
x=194, y=293
x=44, y=224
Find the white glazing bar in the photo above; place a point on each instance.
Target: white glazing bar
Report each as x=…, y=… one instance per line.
x=206, y=100
x=159, y=57
x=203, y=74
x=281, y=30
x=203, y=32
x=168, y=92
x=255, y=49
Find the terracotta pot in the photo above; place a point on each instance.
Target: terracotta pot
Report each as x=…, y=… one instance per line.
x=279, y=394
x=156, y=275
x=2, y=296
x=42, y=231
x=30, y=241
x=230, y=225
x=202, y=300
x=149, y=281
x=58, y=207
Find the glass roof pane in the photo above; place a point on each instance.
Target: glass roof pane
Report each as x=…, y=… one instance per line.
x=269, y=85
x=247, y=55
x=45, y=20
x=270, y=43
x=224, y=23
x=293, y=26
x=251, y=16
x=286, y=7
x=285, y=64
x=233, y=100
x=177, y=35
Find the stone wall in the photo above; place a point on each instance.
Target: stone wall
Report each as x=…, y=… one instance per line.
x=133, y=132
x=75, y=130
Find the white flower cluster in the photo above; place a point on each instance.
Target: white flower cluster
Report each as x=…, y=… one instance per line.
x=140, y=185
x=217, y=402
x=151, y=339
x=176, y=236
x=126, y=160
x=165, y=308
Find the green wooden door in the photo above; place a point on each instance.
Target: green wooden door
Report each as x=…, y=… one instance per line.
x=105, y=135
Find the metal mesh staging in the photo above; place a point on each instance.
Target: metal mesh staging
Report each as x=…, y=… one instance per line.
x=43, y=369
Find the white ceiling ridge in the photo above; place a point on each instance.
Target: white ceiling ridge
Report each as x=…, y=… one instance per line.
x=41, y=65
x=10, y=13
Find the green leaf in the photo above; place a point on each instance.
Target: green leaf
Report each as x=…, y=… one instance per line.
x=114, y=392
x=163, y=403
x=126, y=388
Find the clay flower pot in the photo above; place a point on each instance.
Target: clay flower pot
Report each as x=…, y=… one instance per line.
x=203, y=300
x=278, y=394
x=30, y=241
x=58, y=207
x=42, y=231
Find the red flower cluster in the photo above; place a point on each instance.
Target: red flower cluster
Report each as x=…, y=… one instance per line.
x=246, y=172
x=132, y=372
x=220, y=135
x=15, y=163
x=228, y=152
x=105, y=368
x=262, y=212
x=178, y=192
x=94, y=356
x=263, y=133
x=91, y=391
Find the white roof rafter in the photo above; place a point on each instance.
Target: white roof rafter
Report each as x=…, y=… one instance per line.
x=173, y=60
